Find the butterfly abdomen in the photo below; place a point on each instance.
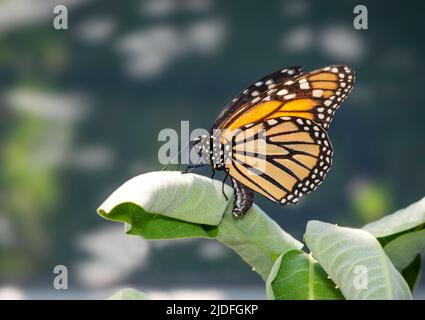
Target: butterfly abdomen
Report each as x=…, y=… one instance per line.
x=244, y=198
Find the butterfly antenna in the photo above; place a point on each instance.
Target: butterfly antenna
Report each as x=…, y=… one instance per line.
x=176, y=156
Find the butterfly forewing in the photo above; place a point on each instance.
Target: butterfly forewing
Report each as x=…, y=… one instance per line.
x=315, y=95
x=247, y=98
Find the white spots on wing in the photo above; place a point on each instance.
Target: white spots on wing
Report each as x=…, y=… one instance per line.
x=304, y=85
x=320, y=170
x=317, y=93
x=289, y=96
x=282, y=92
x=345, y=85
x=288, y=83
x=259, y=83
x=256, y=100
x=270, y=81
x=272, y=122
x=255, y=93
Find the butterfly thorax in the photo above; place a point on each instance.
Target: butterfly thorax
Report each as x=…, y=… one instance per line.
x=213, y=151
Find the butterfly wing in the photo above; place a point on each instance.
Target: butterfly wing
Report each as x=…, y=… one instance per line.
x=244, y=100
x=314, y=96
x=281, y=158
x=278, y=139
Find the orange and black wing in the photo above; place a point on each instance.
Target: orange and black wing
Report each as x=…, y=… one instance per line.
x=314, y=96
x=243, y=101
x=281, y=158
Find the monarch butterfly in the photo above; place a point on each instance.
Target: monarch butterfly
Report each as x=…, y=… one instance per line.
x=272, y=138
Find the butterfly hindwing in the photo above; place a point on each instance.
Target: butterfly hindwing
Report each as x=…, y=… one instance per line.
x=281, y=158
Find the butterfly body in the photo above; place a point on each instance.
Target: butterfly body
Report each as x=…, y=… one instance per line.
x=272, y=138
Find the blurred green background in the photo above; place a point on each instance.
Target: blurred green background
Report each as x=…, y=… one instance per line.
x=81, y=110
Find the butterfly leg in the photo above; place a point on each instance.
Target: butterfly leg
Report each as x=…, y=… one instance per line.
x=190, y=169
x=244, y=198
x=224, y=182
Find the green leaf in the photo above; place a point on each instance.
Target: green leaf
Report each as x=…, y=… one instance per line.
x=412, y=272
x=155, y=226
x=356, y=262
x=402, y=235
x=403, y=250
x=171, y=205
x=187, y=197
x=402, y=220
x=128, y=294
x=256, y=238
x=297, y=276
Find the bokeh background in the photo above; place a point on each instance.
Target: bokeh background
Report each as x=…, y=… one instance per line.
x=81, y=110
